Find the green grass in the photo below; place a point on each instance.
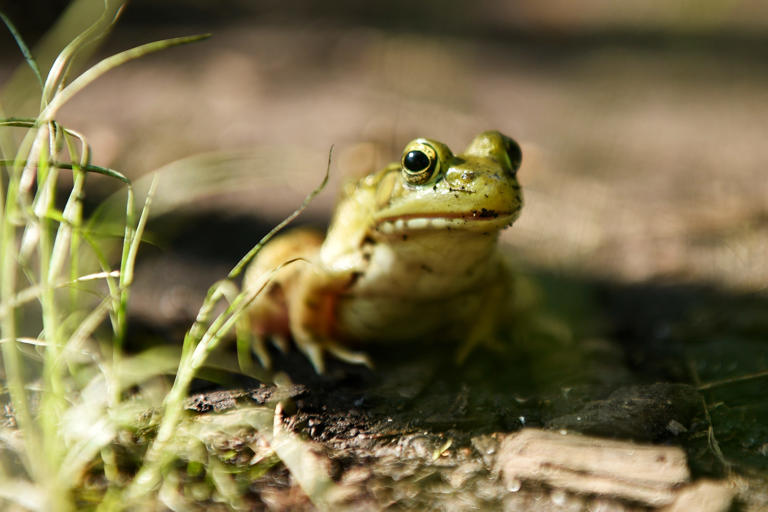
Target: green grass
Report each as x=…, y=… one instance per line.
x=91, y=427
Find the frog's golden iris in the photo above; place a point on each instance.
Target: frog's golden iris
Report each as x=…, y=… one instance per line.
x=419, y=162
x=410, y=256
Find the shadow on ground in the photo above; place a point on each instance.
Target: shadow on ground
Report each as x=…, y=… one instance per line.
x=651, y=362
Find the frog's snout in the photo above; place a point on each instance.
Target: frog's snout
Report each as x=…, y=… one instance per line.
x=479, y=178
x=460, y=177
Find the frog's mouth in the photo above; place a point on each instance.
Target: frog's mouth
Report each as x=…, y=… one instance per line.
x=482, y=220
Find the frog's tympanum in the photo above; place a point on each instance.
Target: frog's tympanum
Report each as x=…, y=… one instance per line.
x=410, y=256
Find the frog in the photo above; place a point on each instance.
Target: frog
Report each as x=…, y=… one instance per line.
x=411, y=254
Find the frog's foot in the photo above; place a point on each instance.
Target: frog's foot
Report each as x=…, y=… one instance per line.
x=315, y=352
x=258, y=344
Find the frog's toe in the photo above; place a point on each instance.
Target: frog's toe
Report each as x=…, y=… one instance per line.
x=259, y=347
x=281, y=342
x=314, y=353
x=350, y=356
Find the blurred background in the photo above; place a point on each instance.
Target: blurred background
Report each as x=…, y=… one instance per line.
x=642, y=124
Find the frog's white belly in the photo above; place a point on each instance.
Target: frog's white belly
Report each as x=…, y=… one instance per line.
x=419, y=288
x=428, y=265
x=389, y=319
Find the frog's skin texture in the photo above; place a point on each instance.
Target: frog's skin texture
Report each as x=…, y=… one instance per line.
x=410, y=256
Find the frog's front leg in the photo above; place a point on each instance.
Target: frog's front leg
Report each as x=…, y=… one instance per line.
x=273, y=277
x=312, y=315
x=298, y=300
x=493, y=306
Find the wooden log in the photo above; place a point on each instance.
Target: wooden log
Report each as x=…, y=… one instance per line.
x=645, y=474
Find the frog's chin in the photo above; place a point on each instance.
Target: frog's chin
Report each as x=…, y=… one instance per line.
x=476, y=220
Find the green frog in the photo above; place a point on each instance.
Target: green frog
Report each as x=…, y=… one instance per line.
x=410, y=255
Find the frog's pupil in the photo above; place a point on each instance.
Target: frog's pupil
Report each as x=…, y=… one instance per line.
x=416, y=161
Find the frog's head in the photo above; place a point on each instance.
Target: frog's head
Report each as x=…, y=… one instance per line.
x=433, y=189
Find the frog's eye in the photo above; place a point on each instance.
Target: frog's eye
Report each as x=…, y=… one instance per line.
x=419, y=163
x=514, y=153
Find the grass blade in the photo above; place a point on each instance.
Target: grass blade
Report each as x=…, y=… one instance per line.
x=24, y=49
x=61, y=65
x=97, y=169
x=23, y=493
x=19, y=122
x=108, y=64
x=126, y=272
x=248, y=257
x=309, y=470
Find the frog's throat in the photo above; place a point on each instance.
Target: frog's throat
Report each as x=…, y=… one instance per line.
x=476, y=219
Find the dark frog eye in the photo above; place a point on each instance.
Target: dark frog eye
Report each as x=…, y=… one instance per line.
x=419, y=163
x=514, y=153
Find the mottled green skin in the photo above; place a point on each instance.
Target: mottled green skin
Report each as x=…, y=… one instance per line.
x=406, y=258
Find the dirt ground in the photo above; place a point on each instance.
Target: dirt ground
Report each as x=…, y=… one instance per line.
x=645, y=229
